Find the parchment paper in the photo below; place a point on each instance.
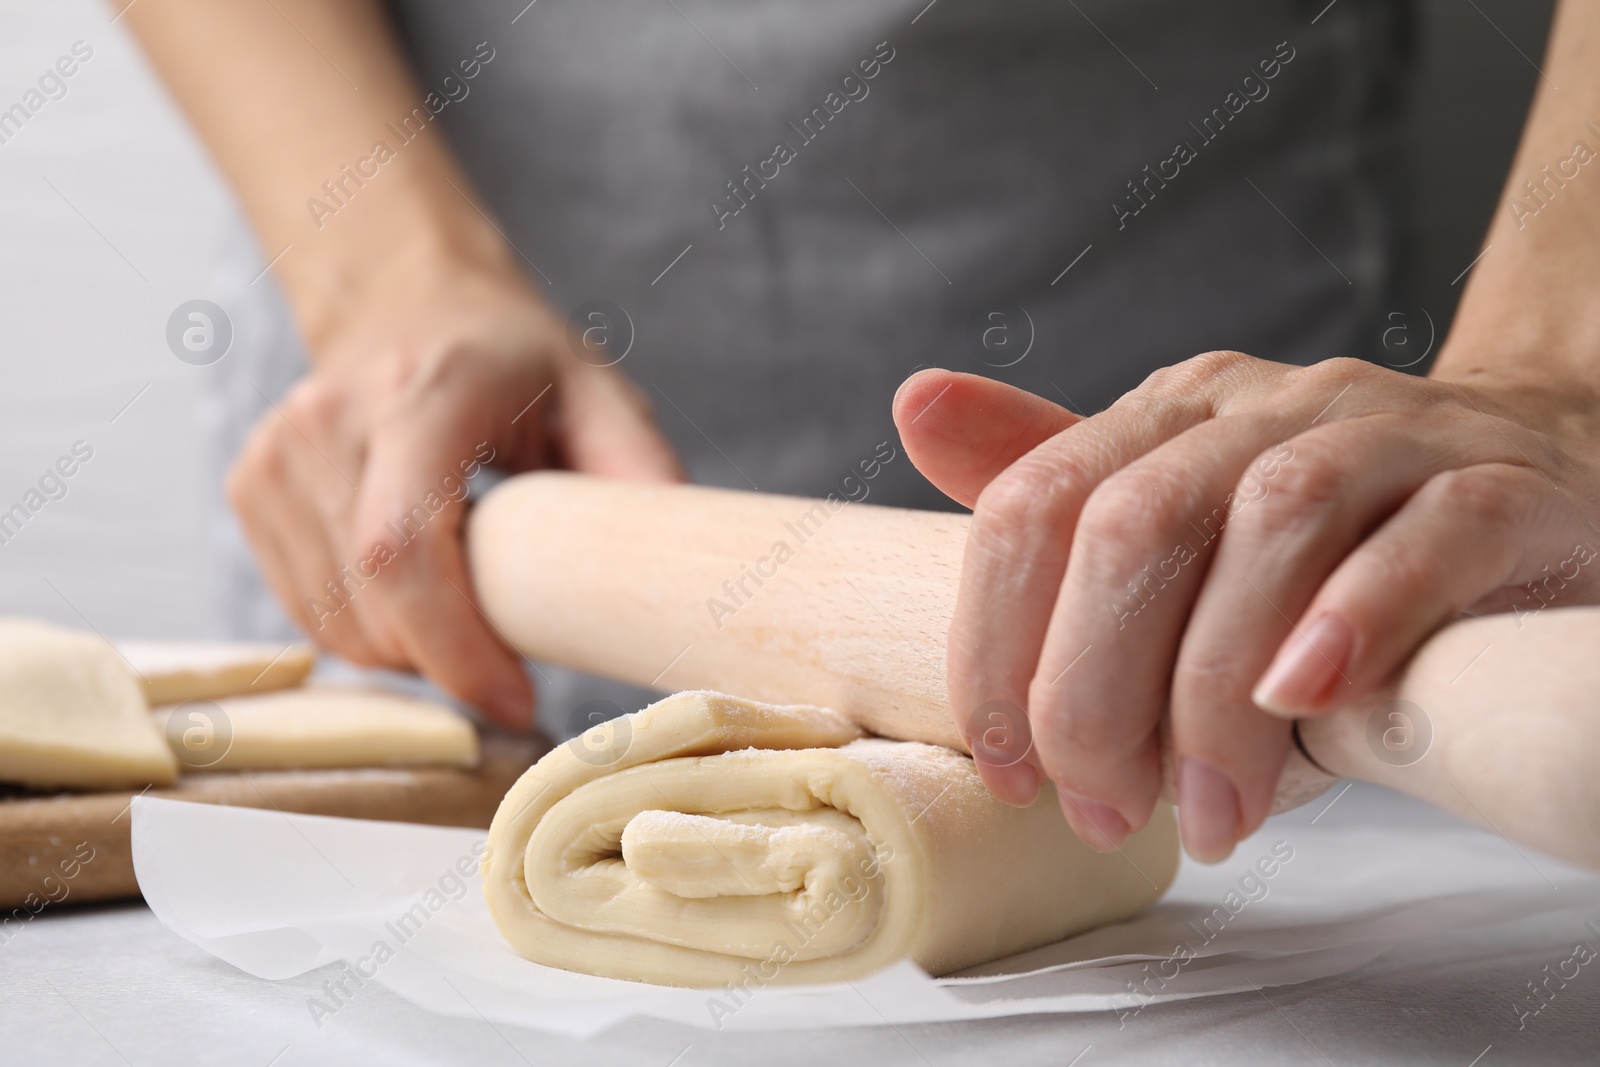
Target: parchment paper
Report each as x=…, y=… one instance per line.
x=278, y=894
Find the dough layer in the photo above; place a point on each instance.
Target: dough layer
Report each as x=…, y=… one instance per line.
x=71, y=714
x=175, y=671
x=318, y=728
x=708, y=840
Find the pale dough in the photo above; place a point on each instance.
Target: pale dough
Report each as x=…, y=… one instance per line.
x=71, y=714
x=305, y=729
x=175, y=671
x=708, y=840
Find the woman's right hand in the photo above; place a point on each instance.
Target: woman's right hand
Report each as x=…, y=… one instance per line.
x=351, y=489
x=431, y=350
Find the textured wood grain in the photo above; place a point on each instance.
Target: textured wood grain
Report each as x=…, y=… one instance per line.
x=667, y=586
x=1496, y=719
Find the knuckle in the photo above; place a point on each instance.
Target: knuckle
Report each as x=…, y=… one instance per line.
x=1183, y=377
x=1216, y=364
x=1261, y=476
x=1337, y=372
x=1204, y=682
x=1340, y=368
x=392, y=369
x=1310, y=485
x=453, y=364
x=1403, y=571
x=313, y=407
x=1488, y=496
x=1028, y=495
x=1066, y=738
x=1129, y=510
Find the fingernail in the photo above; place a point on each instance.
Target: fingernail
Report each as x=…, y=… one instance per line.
x=1100, y=826
x=1306, y=667
x=1208, y=811
x=1016, y=784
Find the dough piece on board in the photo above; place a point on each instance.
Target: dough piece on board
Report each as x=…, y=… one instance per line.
x=175, y=671
x=709, y=840
x=316, y=728
x=71, y=714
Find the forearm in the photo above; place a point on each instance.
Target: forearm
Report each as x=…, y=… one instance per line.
x=1529, y=318
x=295, y=114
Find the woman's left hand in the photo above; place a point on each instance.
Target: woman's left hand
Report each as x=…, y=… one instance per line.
x=1232, y=545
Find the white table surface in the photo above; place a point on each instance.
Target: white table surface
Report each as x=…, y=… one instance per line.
x=110, y=985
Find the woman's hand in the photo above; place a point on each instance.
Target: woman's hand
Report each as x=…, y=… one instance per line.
x=432, y=354
x=351, y=490
x=1232, y=545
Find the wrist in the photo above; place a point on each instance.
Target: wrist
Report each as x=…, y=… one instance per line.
x=387, y=265
x=1532, y=381
x=1524, y=330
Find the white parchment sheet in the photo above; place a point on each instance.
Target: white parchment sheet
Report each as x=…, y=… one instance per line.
x=277, y=894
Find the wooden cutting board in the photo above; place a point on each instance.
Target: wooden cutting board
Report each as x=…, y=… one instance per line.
x=75, y=847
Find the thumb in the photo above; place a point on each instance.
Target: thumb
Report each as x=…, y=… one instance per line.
x=961, y=430
x=605, y=427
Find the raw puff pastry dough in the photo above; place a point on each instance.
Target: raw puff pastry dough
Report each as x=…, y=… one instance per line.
x=175, y=671
x=306, y=729
x=71, y=714
x=708, y=840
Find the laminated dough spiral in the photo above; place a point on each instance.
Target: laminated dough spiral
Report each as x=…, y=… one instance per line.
x=709, y=840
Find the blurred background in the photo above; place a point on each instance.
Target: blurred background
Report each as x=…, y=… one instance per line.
x=113, y=216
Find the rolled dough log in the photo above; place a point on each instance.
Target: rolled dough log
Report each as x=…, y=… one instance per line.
x=708, y=840
x=305, y=729
x=71, y=714
x=175, y=671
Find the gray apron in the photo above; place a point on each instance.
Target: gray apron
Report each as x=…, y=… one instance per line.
x=796, y=204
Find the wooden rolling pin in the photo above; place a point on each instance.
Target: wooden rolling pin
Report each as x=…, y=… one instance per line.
x=846, y=605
